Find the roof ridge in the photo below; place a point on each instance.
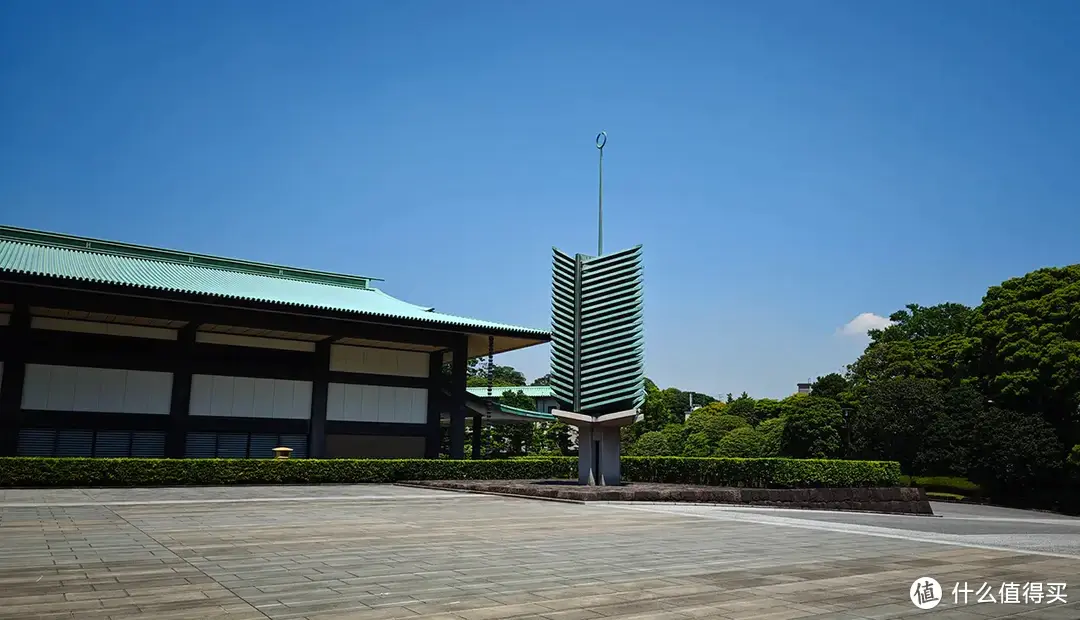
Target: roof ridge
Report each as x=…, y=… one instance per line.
x=130, y=250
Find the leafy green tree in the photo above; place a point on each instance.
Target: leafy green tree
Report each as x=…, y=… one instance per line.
x=652, y=443
x=678, y=402
x=552, y=438
x=742, y=442
x=656, y=412
x=812, y=427
x=1014, y=453
x=675, y=436
x=509, y=439
x=771, y=431
x=767, y=408
x=656, y=416
x=743, y=407
x=945, y=449
x=697, y=444
x=895, y=419
x=831, y=386
x=714, y=424
x=516, y=399
x=1028, y=329
x=503, y=376
x=922, y=342
x=542, y=380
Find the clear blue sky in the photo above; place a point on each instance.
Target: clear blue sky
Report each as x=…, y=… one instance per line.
x=787, y=165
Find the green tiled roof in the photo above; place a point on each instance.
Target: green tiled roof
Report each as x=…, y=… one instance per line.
x=532, y=391
x=38, y=253
x=538, y=415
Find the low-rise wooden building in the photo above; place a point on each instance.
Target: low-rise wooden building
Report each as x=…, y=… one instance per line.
x=113, y=349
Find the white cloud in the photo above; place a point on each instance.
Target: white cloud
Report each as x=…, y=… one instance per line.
x=863, y=323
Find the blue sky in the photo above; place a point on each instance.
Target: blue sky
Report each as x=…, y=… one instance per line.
x=788, y=166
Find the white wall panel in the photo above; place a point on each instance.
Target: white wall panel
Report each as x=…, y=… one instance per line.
x=109, y=390
x=301, y=405
x=263, y=403
x=344, y=358
x=114, y=394
x=376, y=403
x=149, y=392
x=94, y=327
x=202, y=393
x=283, y=398
x=221, y=396
x=243, y=397
x=61, y=396
x=248, y=397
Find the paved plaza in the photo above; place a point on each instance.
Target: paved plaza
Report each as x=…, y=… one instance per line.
x=379, y=551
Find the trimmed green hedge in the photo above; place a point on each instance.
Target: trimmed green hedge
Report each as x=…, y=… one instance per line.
x=954, y=485
x=758, y=473
x=762, y=473
x=49, y=472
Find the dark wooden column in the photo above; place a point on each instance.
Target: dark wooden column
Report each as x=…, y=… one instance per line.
x=457, y=398
x=433, y=436
x=477, y=435
x=320, y=388
x=180, y=403
x=14, y=343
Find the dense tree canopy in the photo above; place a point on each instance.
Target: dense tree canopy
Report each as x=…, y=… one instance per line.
x=503, y=376
x=1028, y=333
x=830, y=386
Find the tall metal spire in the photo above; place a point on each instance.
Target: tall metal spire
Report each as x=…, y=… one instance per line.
x=601, y=140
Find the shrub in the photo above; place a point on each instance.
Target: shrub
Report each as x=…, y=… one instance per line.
x=743, y=442
x=773, y=473
x=653, y=443
x=954, y=485
x=762, y=473
x=697, y=445
x=47, y=472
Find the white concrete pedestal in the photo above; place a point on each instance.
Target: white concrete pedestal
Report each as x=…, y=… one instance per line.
x=598, y=445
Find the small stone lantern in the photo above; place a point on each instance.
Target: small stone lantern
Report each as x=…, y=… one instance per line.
x=282, y=453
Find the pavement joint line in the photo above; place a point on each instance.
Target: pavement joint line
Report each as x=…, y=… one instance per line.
x=751, y=508
x=563, y=500
x=1058, y=520
x=879, y=532
x=238, y=500
x=188, y=562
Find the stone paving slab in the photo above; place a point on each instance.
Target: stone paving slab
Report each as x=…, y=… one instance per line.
x=351, y=553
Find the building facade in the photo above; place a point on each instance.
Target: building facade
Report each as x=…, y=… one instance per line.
x=112, y=349
x=543, y=400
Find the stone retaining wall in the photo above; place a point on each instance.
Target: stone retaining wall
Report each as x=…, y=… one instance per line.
x=897, y=500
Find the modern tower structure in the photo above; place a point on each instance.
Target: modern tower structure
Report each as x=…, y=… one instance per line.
x=597, y=354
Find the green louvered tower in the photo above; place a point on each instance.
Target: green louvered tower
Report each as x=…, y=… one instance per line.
x=597, y=353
